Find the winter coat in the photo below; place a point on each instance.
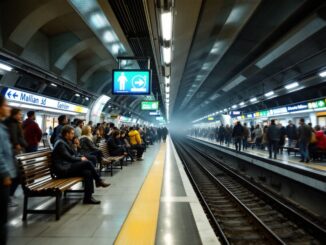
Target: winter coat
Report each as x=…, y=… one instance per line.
x=32, y=132
x=15, y=132
x=7, y=165
x=291, y=132
x=304, y=134
x=134, y=137
x=237, y=131
x=273, y=133
x=87, y=145
x=321, y=140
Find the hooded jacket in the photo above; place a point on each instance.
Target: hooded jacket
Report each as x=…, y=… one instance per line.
x=32, y=132
x=134, y=137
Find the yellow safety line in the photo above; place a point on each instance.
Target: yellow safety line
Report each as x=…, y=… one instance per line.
x=140, y=225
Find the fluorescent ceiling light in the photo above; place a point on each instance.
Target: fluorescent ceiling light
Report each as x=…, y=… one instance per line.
x=77, y=95
x=108, y=37
x=292, y=85
x=269, y=94
x=225, y=109
x=115, y=48
x=5, y=67
x=234, y=106
x=322, y=74
x=86, y=98
x=53, y=85
x=241, y=103
x=167, y=55
x=166, y=23
x=167, y=89
x=167, y=81
x=167, y=96
x=98, y=20
x=253, y=99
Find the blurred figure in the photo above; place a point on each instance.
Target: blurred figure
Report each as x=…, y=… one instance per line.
x=62, y=120
x=228, y=135
x=32, y=132
x=245, y=136
x=14, y=125
x=258, y=136
x=78, y=128
x=237, y=134
x=273, y=138
x=7, y=169
x=304, y=137
x=164, y=134
x=291, y=133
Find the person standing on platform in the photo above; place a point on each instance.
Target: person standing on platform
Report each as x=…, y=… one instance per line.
x=164, y=134
x=291, y=133
x=237, y=135
x=221, y=134
x=14, y=125
x=245, y=136
x=304, y=137
x=32, y=132
x=136, y=142
x=273, y=138
x=62, y=120
x=228, y=135
x=7, y=169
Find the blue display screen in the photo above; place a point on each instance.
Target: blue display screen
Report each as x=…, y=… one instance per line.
x=131, y=82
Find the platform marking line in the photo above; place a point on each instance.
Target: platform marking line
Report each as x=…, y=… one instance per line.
x=141, y=223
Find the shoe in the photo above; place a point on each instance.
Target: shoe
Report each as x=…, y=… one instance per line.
x=91, y=201
x=102, y=184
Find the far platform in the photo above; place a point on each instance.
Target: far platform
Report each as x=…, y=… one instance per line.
x=311, y=174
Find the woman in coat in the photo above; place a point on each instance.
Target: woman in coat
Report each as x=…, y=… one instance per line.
x=87, y=146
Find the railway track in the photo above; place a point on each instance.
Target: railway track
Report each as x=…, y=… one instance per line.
x=241, y=212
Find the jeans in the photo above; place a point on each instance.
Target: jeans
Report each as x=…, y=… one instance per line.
x=304, y=152
x=244, y=143
x=237, y=142
x=272, y=147
x=4, y=199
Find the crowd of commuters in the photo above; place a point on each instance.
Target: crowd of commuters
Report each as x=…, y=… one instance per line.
x=309, y=140
x=75, y=153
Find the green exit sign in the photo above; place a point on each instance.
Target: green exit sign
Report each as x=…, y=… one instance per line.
x=149, y=105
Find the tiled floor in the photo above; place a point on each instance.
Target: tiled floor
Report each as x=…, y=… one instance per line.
x=84, y=224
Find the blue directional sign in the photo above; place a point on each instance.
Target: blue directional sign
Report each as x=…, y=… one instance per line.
x=134, y=82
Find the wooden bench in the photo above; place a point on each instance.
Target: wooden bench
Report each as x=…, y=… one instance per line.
x=291, y=149
x=38, y=181
x=108, y=162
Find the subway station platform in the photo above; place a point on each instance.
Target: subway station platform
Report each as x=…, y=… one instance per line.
x=311, y=174
x=148, y=202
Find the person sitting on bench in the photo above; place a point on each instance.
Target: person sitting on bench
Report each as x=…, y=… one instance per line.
x=68, y=164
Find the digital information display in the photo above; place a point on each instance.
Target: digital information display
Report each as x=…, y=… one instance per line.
x=134, y=82
x=149, y=105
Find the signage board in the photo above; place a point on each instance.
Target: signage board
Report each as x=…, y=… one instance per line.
x=34, y=99
x=135, y=82
x=154, y=113
x=149, y=105
x=297, y=107
x=159, y=118
x=235, y=113
x=317, y=104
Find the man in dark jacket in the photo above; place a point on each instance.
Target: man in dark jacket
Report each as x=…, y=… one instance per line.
x=68, y=164
x=237, y=134
x=32, y=132
x=62, y=121
x=273, y=138
x=304, y=137
x=291, y=133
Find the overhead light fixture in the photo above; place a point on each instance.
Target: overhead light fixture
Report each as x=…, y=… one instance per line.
x=86, y=98
x=115, y=48
x=77, y=95
x=167, y=89
x=225, y=109
x=5, y=67
x=53, y=85
x=322, y=74
x=234, y=106
x=166, y=23
x=253, y=99
x=292, y=85
x=167, y=81
x=98, y=20
x=269, y=94
x=167, y=55
x=241, y=103
x=167, y=96
x=108, y=37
